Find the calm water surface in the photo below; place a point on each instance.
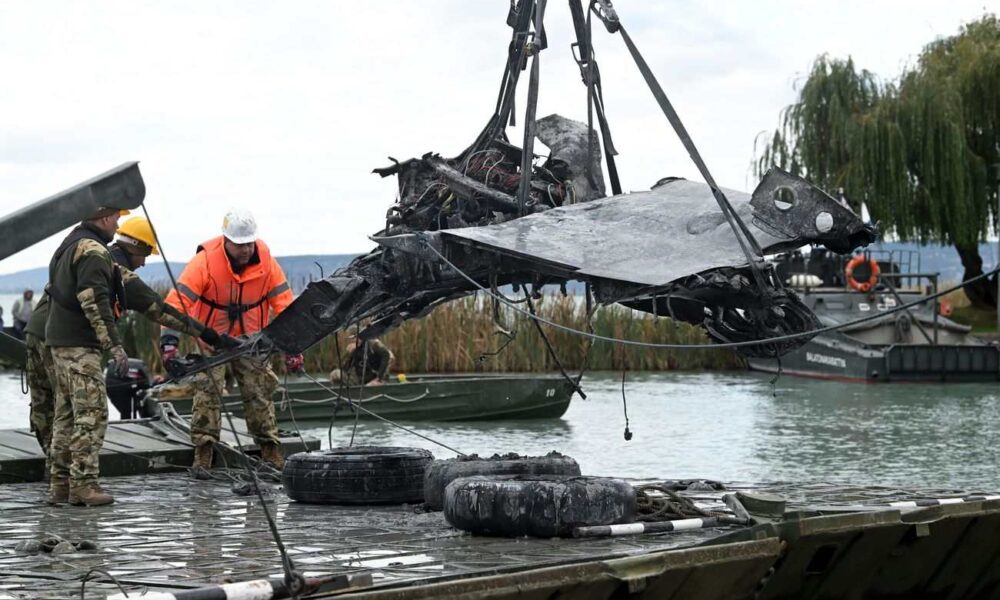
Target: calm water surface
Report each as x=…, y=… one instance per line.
x=728, y=426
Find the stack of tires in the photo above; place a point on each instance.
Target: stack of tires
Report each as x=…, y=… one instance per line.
x=511, y=495
x=508, y=495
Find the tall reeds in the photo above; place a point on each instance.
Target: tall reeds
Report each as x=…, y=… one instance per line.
x=463, y=336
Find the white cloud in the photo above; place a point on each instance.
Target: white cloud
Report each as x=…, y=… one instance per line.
x=285, y=108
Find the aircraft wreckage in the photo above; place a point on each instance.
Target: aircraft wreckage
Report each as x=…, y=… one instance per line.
x=499, y=215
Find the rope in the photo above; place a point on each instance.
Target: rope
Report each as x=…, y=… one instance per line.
x=421, y=396
x=665, y=504
x=762, y=341
x=381, y=418
x=628, y=434
x=551, y=350
x=285, y=402
x=86, y=578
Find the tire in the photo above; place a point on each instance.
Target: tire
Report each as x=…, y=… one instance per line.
x=537, y=506
x=357, y=475
x=443, y=472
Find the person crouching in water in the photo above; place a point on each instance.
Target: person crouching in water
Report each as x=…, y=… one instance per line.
x=235, y=286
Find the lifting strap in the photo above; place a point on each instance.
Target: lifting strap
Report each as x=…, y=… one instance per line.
x=530, y=125
x=751, y=249
x=591, y=75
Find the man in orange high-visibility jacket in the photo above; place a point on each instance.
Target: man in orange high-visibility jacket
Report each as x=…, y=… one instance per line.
x=234, y=286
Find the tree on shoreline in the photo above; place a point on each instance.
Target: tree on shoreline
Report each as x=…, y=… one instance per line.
x=919, y=151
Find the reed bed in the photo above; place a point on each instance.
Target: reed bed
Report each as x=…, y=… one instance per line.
x=463, y=336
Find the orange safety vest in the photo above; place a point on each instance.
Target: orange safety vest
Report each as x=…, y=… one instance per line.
x=228, y=302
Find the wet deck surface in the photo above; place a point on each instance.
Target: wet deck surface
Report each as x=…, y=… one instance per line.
x=154, y=445
x=169, y=532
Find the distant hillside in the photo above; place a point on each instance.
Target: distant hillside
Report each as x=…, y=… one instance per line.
x=300, y=270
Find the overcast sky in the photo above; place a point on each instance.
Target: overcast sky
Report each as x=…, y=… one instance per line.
x=285, y=108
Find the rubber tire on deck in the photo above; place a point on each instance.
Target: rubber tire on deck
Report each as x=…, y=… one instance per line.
x=537, y=506
x=357, y=475
x=443, y=472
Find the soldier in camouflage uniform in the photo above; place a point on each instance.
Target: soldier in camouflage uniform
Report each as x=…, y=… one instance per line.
x=77, y=331
x=41, y=377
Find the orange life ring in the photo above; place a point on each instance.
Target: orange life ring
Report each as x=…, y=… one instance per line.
x=862, y=286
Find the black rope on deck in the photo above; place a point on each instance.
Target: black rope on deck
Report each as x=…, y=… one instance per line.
x=664, y=504
x=86, y=578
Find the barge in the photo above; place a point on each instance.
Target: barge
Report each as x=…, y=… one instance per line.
x=918, y=344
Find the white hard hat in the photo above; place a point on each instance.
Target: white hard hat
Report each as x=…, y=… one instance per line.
x=239, y=226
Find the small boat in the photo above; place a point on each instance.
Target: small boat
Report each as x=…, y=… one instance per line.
x=450, y=397
x=918, y=344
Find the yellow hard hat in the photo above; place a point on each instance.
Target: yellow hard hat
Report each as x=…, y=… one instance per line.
x=138, y=229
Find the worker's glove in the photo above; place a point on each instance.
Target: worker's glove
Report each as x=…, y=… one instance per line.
x=228, y=342
x=120, y=361
x=209, y=336
x=168, y=347
x=294, y=362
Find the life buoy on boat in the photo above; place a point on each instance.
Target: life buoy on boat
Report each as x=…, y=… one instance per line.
x=873, y=269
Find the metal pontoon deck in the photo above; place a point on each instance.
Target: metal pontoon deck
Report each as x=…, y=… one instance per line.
x=167, y=532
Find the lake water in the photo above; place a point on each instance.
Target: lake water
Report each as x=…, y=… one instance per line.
x=728, y=426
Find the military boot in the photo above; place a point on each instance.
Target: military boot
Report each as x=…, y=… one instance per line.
x=58, y=492
x=272, y=455
x=89, y=494
x=203, y=454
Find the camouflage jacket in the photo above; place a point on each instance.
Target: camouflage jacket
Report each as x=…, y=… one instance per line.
x=83, y=284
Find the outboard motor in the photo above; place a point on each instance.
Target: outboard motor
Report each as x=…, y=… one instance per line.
x=126, y=392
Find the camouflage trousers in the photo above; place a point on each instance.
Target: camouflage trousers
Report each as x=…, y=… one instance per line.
x=81, y=415
x=41, y=379
x=257, y=383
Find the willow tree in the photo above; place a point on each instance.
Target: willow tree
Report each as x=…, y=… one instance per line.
x=919, y=150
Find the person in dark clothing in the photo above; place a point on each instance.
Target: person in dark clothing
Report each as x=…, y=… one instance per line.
x=367, y=363
x=87, y=289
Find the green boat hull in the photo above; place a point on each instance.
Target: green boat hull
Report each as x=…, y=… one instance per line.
x=473, y=397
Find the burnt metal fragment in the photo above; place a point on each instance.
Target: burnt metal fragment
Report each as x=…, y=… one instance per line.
x=668, y=251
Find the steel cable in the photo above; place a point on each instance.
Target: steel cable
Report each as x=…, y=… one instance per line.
x=748, y=343
x=358, y=406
